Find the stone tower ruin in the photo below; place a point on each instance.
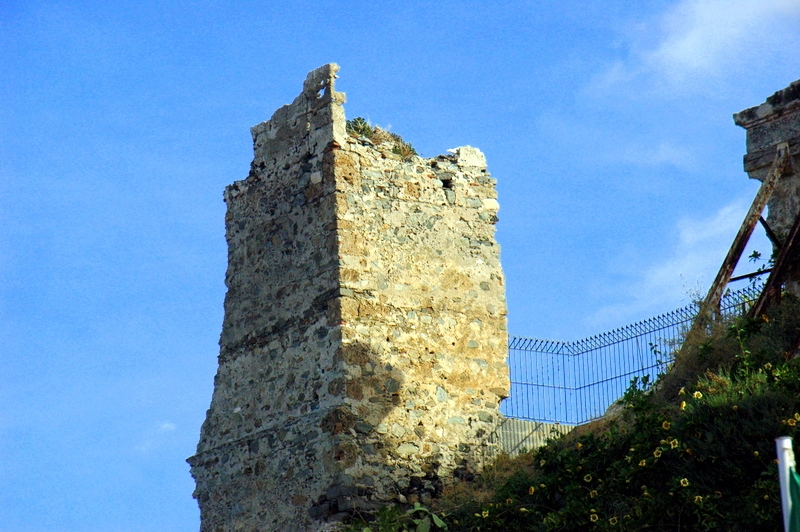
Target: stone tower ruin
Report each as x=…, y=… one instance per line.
x=363, y=351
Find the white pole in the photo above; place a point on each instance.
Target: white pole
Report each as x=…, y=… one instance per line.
x=785, y=465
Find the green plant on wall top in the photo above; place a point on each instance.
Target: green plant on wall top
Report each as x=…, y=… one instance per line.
x=360, y=127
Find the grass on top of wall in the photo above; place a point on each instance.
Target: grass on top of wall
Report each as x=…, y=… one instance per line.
x=360, y=127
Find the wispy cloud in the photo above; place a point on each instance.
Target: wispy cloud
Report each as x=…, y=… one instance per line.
x=700, y=244
x=155, y=436
x=663, y=153
x=697, y=40
x=604, y=147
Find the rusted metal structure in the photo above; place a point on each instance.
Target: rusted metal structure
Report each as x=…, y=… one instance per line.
x=781, y=166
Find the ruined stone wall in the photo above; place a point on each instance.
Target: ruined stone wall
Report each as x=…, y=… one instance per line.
x=774, y=121
x=363, y=352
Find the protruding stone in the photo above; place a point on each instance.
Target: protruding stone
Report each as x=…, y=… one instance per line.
x=467, y=156
x=406, y=449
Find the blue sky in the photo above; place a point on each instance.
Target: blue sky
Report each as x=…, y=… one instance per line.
x=607, y=124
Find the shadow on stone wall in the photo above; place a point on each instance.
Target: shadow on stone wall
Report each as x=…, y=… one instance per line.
x=376, y=458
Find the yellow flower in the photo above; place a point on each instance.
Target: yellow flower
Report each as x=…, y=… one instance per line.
x=593, y=494
x=531, y=490
x=587, y=478
x=657, y=453
x=791, y=422
x=509, y=501
x=579, y=446
x=673, y=443
x=698, y=499
x=485, y=514
x=682, y=391
x=666, y=425
x=685, y=482
x=628, y=458
x=542, y=486
x=768, y=366
x=642, y=463
x=683, y=405
x=697, y=395
x=612, y=521
x=593, y=518
x=542, y=463
x=736, y=407
x=755, y=453
x=523, y=510
x=797, y=416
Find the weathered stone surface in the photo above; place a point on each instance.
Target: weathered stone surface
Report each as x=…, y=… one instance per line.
x=362, y=357
x=774, y=121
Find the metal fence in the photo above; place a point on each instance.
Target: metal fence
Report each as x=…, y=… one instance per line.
x=572, y=383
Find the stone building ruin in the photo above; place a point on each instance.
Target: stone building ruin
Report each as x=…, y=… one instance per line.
x=363, y=350
x=768, y=125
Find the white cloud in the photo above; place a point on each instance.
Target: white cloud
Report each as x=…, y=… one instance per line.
x=700, y=39
x=639, y=153
x=599, y=146
x=156, y=436
x=699, y=248
x=705, y=35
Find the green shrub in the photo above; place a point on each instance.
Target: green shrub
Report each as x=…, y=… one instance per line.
x=360, y=127
x=418, y=518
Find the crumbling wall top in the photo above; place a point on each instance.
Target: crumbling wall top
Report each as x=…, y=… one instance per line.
x=467, y=156
x=321, y=79
x=782, y=102
x=775, y=121
x=305, y=127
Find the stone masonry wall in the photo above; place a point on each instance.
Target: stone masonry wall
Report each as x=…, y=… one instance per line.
x=774, y=121
x=363, y=352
